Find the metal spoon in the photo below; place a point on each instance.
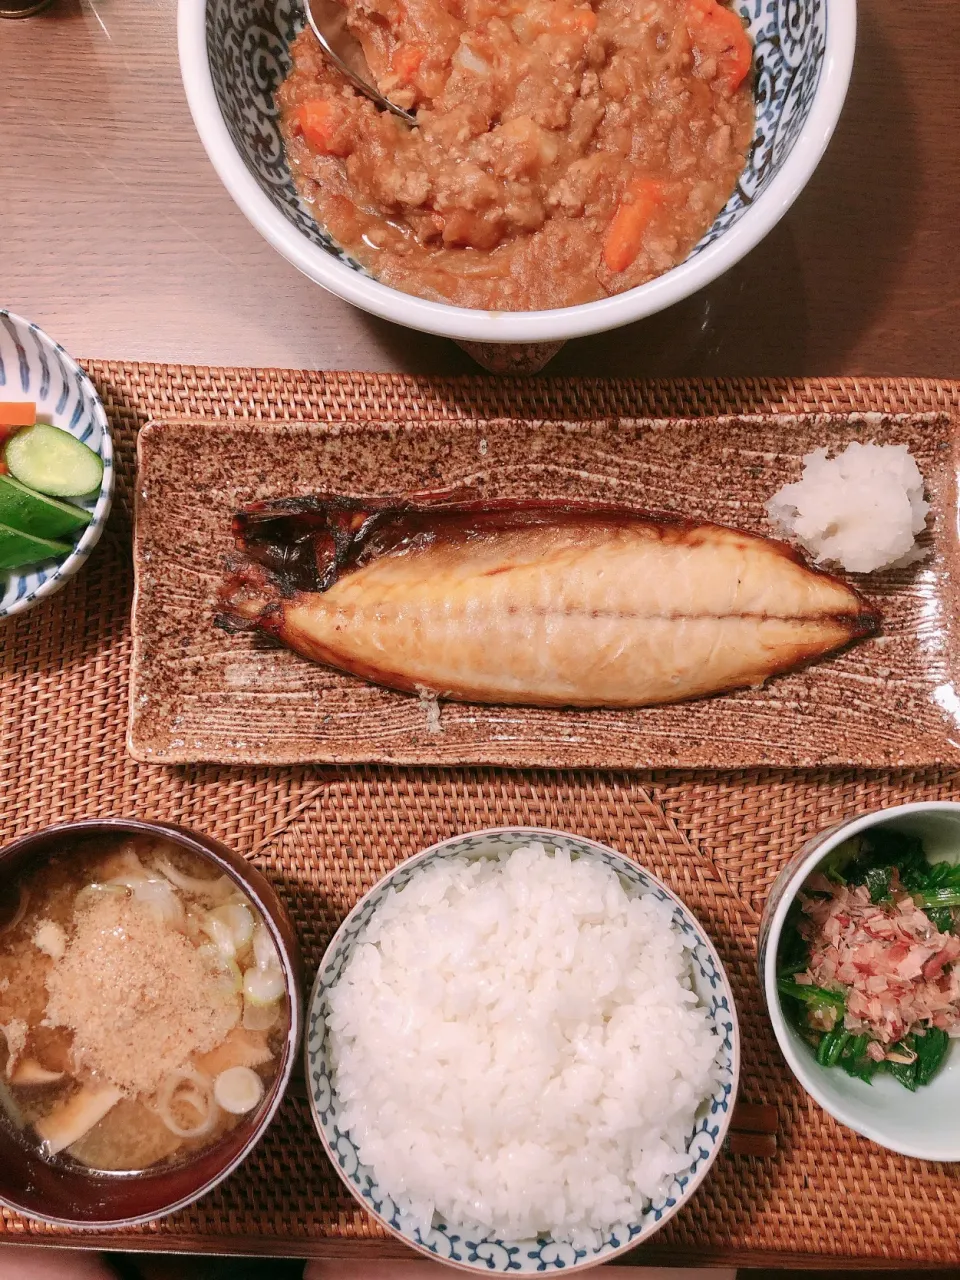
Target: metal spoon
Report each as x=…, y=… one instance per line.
x=328, y=20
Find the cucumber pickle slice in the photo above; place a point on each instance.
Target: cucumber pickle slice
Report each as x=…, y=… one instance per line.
x=53, y=462
x=18, y=549
x=35, y=513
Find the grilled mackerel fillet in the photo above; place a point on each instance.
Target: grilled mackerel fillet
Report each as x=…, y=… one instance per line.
x=546, y=603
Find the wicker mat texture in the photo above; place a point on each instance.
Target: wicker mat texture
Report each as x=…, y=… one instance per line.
x=325, y=836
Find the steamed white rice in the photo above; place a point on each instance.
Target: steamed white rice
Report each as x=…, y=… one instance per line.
x=517, y=1046
x=861, y=510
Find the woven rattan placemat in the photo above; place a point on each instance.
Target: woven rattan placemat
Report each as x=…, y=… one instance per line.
x=324, y=836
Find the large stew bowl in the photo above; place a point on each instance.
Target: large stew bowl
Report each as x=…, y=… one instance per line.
x=234, y=54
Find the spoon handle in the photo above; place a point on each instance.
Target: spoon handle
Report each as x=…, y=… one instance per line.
x=337, y=20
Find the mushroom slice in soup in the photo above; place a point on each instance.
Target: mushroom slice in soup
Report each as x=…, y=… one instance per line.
x=68, y=1123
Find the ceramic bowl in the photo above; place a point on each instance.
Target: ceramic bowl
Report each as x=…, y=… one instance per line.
x=34, y=367
x=446, y=1241
x=78, y=1198
x=233, y=55
x=925, y=1124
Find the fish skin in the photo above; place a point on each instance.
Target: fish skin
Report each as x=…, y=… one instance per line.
x=542, y=604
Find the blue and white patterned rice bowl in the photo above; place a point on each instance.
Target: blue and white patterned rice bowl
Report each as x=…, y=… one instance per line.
x=34, y=367
x=456, y=1246
x=234, y=54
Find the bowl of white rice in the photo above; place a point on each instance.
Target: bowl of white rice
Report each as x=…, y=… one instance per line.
x=522, y=1052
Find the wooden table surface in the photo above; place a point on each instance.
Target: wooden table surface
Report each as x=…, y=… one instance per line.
x=117, y=236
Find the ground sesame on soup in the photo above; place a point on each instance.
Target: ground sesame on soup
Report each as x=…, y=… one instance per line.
x=564, y=151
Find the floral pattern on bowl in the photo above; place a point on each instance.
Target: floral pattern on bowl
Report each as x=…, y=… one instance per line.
x=247, y=43
x=34, y=367
x=445, y=1241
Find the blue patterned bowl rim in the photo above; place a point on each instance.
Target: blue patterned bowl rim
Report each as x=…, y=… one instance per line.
x=35, y=587
x=532, y=326
x=452, y=847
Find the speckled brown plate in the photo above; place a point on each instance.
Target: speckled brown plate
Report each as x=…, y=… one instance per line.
x=198, y=693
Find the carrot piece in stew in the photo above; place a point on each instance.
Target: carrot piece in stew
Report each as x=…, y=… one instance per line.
x=406, y=61
x=624, y=236
x=319, y=123
x=718, y=33
x=17, y=413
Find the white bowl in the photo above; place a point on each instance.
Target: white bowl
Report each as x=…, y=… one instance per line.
x=925, y=1124
x=446, y=1241
x=233, y=55
x=34, y=367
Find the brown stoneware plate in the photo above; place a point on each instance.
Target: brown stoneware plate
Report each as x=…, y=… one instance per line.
x=198, y=693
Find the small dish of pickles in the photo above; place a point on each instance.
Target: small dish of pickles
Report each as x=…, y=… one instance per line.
x=56, y=465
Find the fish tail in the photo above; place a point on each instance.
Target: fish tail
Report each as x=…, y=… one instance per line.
x=249, y=598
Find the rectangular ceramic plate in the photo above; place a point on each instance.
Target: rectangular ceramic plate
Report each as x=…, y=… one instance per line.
x=198, y=693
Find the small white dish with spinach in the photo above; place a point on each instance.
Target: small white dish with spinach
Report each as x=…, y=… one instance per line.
x=860, y=962
x=867, y=956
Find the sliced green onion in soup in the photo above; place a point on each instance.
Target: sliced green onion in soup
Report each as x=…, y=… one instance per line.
x=220, y=935
x=230, y=926
x=192, y=1087
x=238, y=1090
x=264, y=952
x=260, y=1017
x=225, y=966
x=263, y=986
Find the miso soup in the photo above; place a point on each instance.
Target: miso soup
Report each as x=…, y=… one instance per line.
x=143, y=1008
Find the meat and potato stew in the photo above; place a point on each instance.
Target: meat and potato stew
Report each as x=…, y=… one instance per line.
x=564, y=151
